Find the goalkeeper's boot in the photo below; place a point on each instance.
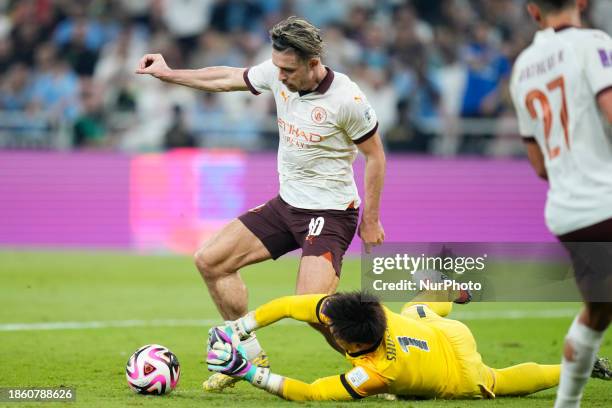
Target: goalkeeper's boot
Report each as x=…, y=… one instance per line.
x=602, y=369
x=218, y=382
x=462, y=296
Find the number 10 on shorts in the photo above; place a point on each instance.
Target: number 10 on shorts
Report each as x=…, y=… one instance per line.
x=316, y=226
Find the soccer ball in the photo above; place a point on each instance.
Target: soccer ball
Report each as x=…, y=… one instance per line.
x=152, y=370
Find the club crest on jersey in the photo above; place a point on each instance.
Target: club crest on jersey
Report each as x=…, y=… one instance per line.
x=606, y=57
x=318, y=115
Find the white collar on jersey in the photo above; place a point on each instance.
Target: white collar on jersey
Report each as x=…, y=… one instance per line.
x=550, y=31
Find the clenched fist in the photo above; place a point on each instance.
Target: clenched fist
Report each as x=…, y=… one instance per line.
x=371, y=233
x=152, y=64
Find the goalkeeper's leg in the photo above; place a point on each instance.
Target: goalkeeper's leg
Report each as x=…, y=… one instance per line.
x=459, y=296
x=526, y=378
x=439, y=301
x=441, y=309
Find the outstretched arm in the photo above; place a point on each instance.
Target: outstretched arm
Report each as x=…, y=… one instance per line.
x=211, y=79
x=226, y=355
x=358, y=383
x=305, y=308
x=334, y=388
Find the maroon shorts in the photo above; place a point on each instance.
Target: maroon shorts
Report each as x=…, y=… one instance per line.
x=283, y=228
x=590, y=249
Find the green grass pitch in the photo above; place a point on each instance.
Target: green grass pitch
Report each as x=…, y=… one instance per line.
x=38, y=287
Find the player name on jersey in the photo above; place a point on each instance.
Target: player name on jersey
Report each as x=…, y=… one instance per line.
x=542, y=67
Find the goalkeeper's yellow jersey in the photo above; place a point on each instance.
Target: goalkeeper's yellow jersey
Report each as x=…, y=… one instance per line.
x=412, y=359
x=420, y=356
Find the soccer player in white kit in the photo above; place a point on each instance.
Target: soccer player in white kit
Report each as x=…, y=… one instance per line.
x=561, y=87
x=323, y=120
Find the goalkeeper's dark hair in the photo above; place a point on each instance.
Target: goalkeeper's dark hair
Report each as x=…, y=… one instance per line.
x=548, y=6
x=356, y=317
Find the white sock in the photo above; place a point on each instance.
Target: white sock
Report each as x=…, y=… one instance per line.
x=574, y=374
x=248, y=322
x=266, y=380
x=251, y=346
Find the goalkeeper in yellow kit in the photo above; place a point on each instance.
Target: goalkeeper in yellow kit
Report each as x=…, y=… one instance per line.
x=417, y=353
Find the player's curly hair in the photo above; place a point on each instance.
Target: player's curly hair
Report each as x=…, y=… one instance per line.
x=356, y=317
x=298, y=35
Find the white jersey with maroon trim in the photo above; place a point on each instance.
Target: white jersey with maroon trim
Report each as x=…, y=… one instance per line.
x=318, y=133
x=554, y=86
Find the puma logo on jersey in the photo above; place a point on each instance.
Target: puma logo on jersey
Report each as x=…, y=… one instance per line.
x=606, y=57
x=284, y=95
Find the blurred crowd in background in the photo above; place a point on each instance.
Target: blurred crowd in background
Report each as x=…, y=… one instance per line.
x=436, y=72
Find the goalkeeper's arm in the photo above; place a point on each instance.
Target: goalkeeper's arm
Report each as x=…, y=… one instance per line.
x=227, y=356
x=306, y=308
x=323, y=389
x=334, y=388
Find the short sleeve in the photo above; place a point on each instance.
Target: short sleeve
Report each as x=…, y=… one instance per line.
x=598, y=61
x=260, y=77
x=526, y=124
x=357, y=118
